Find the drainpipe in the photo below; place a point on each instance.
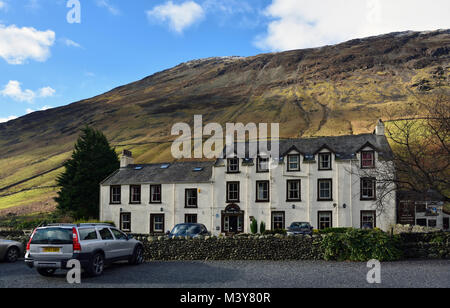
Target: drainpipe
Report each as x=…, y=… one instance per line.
x=174, y=204
x=337, y=191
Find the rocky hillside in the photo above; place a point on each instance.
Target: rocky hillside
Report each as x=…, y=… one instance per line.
x=333, y=90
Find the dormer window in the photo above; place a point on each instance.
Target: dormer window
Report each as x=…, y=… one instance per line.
x=262, y=165
x=293, y=162
x=367, y=159
x=233, y=165
x=325, y=161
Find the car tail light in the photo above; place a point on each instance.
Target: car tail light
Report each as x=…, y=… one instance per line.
x=29, y=242
x=76, y=243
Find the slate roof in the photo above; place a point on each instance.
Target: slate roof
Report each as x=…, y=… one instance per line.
x=178, y=172
x=345, y=147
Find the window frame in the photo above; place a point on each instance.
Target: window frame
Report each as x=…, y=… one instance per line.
x=122, y=222
x=272, y=222
x=373, y=159
x=330, y=161
x=186, y=198
x=299, y=199
x=289, y=169
x=190, y=215
x=152, y=223
x=111, y=194
x=318, y=190
x=131, y=194
x=257, y=192
x=258, y=161
x=374, y=213
x=230, y=164
x=318, y=219
x=374, y=189
x=151, y=194
x=238, y=200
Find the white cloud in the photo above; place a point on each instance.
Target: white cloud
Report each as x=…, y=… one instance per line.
x=14, y=91
x=105, y=4
x=46, y=92
x=4, y=120
x=2, y=5
x=71, y=43
x=19, y=44
x=178, y=16
x=46, y=107
x=305, y=23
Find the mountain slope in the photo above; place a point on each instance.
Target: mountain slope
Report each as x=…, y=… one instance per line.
x=333, y=90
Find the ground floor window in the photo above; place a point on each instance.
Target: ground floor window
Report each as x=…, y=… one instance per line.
x=157, y=223
x=368, y=220
x=432, y=223
x=325, y=220
x=125, y=222
x=190, y=218
x=278, y=220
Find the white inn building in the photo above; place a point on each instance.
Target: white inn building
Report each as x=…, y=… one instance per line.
x=316, y=181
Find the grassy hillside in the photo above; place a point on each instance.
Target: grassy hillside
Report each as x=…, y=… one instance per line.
x=333, y=90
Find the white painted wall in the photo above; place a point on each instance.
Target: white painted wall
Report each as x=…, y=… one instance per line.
x=212, y=199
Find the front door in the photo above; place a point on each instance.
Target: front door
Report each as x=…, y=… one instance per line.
x=233, y=224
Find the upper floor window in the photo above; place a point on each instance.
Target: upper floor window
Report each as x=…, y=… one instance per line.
x=262, y=191
x=263, y=164
x=293, y=162
x=232, y=192
x=325, y=161
x=115, y=195
x=135, y=194
x=191, y=198
x=325, y=190
x=293, y=190
x=233, y=165
x=367, y=159
x=155, y=194
x=368, y=186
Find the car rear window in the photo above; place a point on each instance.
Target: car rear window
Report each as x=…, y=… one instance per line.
x=57, y=236
x=88, y=234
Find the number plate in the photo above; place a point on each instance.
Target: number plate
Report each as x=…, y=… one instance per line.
x=52, y=249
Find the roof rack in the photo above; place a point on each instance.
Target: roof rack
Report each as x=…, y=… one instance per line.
x=78, y=225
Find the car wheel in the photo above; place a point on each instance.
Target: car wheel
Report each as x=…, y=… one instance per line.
x=46, y=272
x=138, y=256
x=97, y=265
x=12, y=254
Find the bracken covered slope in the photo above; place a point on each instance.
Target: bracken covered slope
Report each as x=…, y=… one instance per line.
x=333, y=90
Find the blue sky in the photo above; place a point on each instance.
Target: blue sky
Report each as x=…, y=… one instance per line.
x=46, y=62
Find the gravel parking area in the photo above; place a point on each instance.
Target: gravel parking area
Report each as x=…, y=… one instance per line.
x=237, y=274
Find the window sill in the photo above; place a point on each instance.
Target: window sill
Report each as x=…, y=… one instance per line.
x=325, y=169
x=368, y=199
x=233, y=201
x=233, y=172
x=324, y=200
x=135, y=203
x=294, y=200
x=111, y=203
x=160, y=202
x=262, y=201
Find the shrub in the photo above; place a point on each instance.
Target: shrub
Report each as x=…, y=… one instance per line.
x=254, y=226
x=334, y=230
x=360, y=245
x=262, y=227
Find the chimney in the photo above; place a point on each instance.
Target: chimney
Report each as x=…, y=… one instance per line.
x=380, y=129
x=126, y=159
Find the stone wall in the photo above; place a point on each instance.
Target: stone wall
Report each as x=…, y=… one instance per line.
x=233, y=248
x=434, y=245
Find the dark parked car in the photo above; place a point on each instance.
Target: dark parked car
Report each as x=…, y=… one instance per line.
x=191, y=230
x=298, y=228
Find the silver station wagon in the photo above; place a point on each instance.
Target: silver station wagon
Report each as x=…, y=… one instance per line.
x=94, y=245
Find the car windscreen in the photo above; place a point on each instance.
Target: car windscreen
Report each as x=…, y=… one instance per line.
x=300, y=225
x=183, y=230
x=53, y=236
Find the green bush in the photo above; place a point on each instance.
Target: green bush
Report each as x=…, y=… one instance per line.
x=254, y=226
x=360, y=245
x=334, y=230
x=262, y=227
